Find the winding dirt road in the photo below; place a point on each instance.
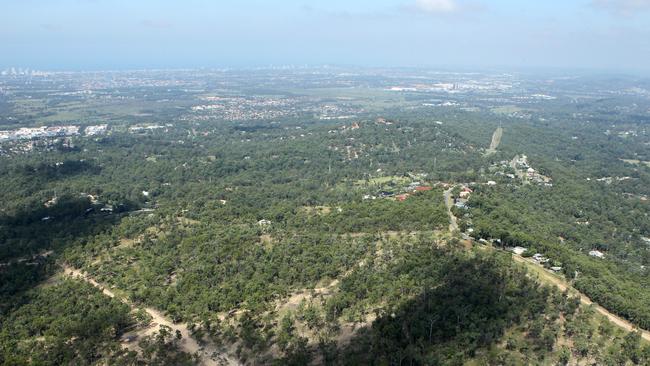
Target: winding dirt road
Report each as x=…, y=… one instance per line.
x=550, y=278
x=209, y=354
x=563, y=285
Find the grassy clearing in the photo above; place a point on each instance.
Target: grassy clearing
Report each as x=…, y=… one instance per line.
x=506, y=109
x=636, y=162
x=379, y=181
x=496, y=141
x=316, y=210
x=373, y=99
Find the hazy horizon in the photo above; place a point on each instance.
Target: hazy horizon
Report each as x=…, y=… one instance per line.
x=605, y=35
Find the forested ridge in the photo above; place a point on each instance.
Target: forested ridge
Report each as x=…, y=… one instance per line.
x=306, y=240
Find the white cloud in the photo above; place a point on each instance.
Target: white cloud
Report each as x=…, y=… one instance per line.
x=622, y=7
x=436, y=6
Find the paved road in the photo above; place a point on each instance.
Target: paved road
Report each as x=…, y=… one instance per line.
x=187, y=344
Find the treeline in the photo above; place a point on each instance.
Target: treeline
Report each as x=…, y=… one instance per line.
x=199, y=248
x=515, y=219
x=68, y=323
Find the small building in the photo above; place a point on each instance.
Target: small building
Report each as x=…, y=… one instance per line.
x=130, y=338
x=539, y=258
x=556, y=269
x=530, y=172
x=519, y=250
x=402, y=197
x=597, y=254
x=264, y=222
x=423, y=188
x=106, y=208
x=491, y=183
x=51, y=202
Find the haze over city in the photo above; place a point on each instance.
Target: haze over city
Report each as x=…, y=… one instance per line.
x=325, y=183
x=99, y=34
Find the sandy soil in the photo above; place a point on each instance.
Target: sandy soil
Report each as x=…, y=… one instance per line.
x=187, y=343
x=563, y=285
x=496, y=141
x=449, y=202
x=547, y=277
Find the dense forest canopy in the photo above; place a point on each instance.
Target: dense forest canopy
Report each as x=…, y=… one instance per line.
x=280, y=220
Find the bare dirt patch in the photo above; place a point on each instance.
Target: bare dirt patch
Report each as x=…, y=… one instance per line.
x=187, y=222
x=316, y=210
x=496, y=141
x=187, y=343
x=266, y=240
x=547, y=277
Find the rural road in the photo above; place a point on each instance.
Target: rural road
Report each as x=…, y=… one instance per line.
x=555, y=280
x=563, y=285
x=449, y=202
x=187, y=343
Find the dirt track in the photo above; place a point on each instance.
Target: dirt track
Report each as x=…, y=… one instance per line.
x=187, y=343
x=563, y=285
x=547, y=277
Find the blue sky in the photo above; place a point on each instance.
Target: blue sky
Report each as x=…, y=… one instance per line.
x=120, y=34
